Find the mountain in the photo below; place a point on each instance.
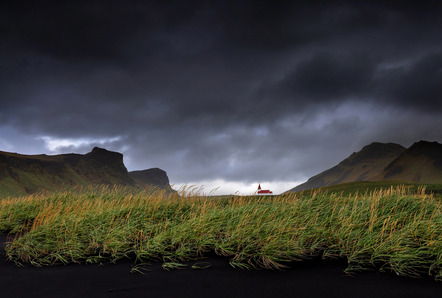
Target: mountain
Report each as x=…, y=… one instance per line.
x=422, y=163
x=25, y=174
x=360, y=166
x=155, y=177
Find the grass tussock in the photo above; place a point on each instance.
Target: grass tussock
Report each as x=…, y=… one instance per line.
x=386, y=229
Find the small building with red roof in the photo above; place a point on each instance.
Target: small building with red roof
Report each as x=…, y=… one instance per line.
x=263, y=191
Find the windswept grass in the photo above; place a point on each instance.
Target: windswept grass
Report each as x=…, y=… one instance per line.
x=387, y=229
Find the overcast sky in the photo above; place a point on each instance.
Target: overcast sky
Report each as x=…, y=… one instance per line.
x=220, y=93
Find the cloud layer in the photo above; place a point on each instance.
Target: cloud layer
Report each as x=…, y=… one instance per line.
x=239, y=91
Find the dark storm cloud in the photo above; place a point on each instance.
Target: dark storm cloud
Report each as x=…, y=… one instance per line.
x=88, y=30
x=416, y=85
x=330, y=78
x=233, y=90
x=326, y=77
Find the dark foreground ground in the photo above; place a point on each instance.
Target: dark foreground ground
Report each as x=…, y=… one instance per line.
x=305, y=279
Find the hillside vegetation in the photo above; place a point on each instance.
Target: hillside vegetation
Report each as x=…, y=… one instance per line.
x=421, y=163
x=366, y=187
x=389, y=230
x=27, y=174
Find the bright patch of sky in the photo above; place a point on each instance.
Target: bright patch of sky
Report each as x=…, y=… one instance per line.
x=12, y=140
x=57, y=144
x=221, y=187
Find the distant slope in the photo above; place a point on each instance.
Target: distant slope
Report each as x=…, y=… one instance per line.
x=360, y=166
x=363, y=187
x=25, y=174
x=421, y=163
x=154, y=176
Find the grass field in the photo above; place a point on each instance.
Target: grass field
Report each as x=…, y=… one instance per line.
x=390, y=229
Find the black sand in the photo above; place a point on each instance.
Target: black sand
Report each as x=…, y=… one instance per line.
x=305, y=279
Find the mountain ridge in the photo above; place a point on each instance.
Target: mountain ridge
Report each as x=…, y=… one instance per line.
x=25, y=174
x=420, y=163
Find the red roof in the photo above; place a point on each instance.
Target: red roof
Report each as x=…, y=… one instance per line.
x=263, y=190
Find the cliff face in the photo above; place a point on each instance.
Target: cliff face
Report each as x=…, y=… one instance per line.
x=25, y=174
x=421, y=163
x=107, y=167
x=155, y=177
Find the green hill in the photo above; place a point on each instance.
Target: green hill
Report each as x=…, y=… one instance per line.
x=26, y=174
x=419, y=164
x=363, y=187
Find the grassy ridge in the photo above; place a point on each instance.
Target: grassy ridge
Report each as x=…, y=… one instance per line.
x=388, y=229
x=362, y=187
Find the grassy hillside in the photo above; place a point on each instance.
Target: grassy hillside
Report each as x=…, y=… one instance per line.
x=21, y=175
x=360, y=166
x=363, y=187
x=421, y=163
x=30, y=181
x=388, y=230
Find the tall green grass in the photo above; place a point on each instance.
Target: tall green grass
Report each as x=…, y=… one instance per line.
x=387, y=229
